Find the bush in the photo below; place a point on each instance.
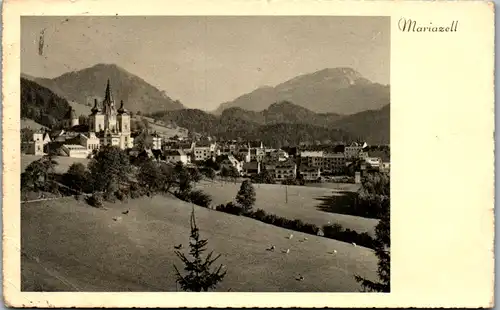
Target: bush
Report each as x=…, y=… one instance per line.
x=230, y=208
x=95, y=200
x=336, y=231
x=199, y=198
x=121, y=195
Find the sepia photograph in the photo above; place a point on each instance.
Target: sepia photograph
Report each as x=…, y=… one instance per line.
x=205, y=154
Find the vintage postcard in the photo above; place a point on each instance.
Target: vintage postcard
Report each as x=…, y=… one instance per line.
x=243, y=153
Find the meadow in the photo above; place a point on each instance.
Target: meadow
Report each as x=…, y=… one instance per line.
x=293, y=202
x=70, y=246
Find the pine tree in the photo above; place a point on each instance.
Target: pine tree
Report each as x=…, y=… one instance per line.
x=199, y=275
x=246, y=196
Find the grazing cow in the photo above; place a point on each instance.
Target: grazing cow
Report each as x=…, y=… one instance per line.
x=125, y=212
x=291, y=236
x=286, y=251
x=300, y=278
x=178, y=247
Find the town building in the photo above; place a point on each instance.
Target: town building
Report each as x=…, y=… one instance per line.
x=230, y=161
x=204, y=150
x=40, y=140
x=175, y=156
x=354, y=149
x=157, y=140
x=310, y=173
x=74, y=150
x=285, y=170
x=251, y=168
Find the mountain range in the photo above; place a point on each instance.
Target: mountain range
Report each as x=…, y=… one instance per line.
x=331, y=104
x=288, y=122
x=337, y=90
x=85, y=85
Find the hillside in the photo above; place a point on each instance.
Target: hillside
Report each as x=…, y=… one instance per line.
x=41, y=105
x=285, y=123
x=337, y=90
x=372, y=126
x=283, y=112
x=85, y=85
x=69, y=246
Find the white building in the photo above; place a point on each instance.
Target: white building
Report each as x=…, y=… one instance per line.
x=111, y=126
x=40, y=139
x=74, y=150
x=175, y=156
x=203, y=151
x=156, y=141
x=90, y=141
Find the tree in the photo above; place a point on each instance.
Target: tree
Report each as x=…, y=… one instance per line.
x=110, y=166
x=246, y=196
x=77, y=177
x=200, y=276
x=150, y=176
x=209, y=173
x=382, y=244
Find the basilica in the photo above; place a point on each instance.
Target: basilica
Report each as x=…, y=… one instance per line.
x=107, y=126
x=110, y=125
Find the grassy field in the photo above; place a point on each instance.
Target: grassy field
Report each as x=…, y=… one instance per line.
x=69, y=246
x=303, y=203
x=80, y=109
x=62, y=167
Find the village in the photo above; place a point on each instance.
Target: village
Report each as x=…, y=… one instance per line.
x=108, y=126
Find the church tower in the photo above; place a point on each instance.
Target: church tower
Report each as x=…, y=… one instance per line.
x=109, y=110
x=96, y=119
x=123, y=119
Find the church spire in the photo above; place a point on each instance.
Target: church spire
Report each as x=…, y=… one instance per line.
x=107, y=96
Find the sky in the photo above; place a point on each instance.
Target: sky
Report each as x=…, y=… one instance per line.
x=205, y=61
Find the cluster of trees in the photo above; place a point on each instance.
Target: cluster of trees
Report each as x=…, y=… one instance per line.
x=42, y=105
x=375, y=193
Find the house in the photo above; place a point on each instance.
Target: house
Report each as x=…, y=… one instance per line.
x=203, y=151
x=156, y=141
x=285, y=170
x=374, y=162
x=353, y=150
x=310, y=173
x=40, y=139
x=90, y=141
x=279, y=155
x=251, y=168
x=330, y=162
x=244, y=154
x=74, y=150
x=174, y=156
x=256, y=154
x=230, y=161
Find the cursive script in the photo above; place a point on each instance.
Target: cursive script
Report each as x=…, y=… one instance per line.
x=408, y=25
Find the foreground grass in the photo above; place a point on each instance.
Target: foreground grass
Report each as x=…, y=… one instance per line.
x=303, y=203
x=69, y=246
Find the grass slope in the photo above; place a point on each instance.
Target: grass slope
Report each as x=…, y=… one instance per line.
x=303, y=203
x=69, y=246
x=31, y=124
